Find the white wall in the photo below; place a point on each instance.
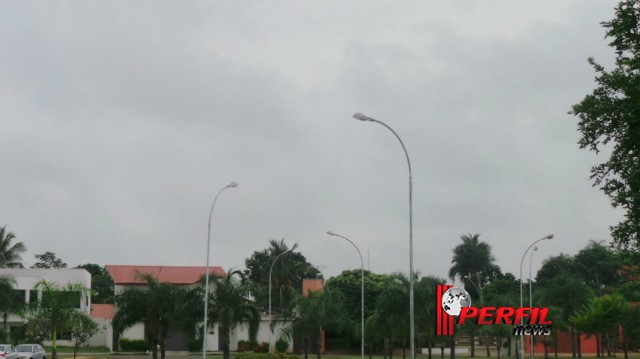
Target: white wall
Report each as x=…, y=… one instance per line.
x=212, y=339
x=135, y=332
x=27, y=278
x=104, y=336
x=242, y=332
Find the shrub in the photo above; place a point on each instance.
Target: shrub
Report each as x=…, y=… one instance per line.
x=282, y=345
x=134, y=345
x=252, y=355
x=244, y=346
x=261, y=348
x=195, y=345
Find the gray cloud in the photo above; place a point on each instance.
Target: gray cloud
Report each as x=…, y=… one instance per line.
x=120, y=122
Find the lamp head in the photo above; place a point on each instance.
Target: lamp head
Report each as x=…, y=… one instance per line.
x=331, y=233
x=232, y=185
x=549, y=236
x=361, y=117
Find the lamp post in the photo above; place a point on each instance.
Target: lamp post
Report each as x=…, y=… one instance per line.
x=270, y=270
x=535, y=248
x=361, y=291
x=206, y=280
x=548, y=236
x=362, y=117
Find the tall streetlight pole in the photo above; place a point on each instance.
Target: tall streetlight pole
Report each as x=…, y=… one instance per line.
x=548, y=236
x=361, y=291
x=271, y=270
x=205, y=330
x=535, y=248
x=362, y=117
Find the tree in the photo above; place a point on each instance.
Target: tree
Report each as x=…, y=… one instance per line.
x=348, y=283
x=568, y=292
x=101, y=283
x=602, y=315
x=317, y=311
x=82, y=328
x=51, y=314
x=7, y=300
x=424, y=292
x=599, y=266
x=473, y=259
x=474, y=263
x=158, y=306
x=288, y=273
x=10, y=253
x=609, y=119
x=229, y=305
x=49, y=260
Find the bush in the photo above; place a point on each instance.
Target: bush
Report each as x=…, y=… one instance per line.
x=252, y=355
x=195, y=345
x=252, y=346
x=282, y=345
x=134, y=345
x=262, y=348
x=244, y=346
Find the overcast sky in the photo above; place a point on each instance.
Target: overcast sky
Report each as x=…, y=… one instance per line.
x=120, y=121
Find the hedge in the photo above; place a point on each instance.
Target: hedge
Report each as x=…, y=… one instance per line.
x=134, y=345
x=252, y=355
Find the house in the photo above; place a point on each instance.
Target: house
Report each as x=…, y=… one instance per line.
x=27, y=278
x=129, y=276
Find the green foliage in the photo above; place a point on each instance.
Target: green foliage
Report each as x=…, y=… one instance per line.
x=473, y=261
x=229, y=305
x=160, y=306
x=252, y=355
x=282, y=345
x=10, y=253
x=349, y=284
x=101, y=283
x=48, y=260
x=598, y=265
x=319, y=310
x=286, y=278
x=52, y=314
x=609, y=117
x=601, y=315
x=133, y=345
x=252, y=346
x=82, y=328
x=195, y=345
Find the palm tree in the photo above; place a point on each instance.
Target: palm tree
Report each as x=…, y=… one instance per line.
x=318, y=311
x=229, y=305
x=473, y=259
x=7, y=299
x=157, y=306
x=52, y=313
x=10, y=254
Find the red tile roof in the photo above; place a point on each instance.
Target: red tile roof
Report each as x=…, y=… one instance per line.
x=101, y=311
x=122, y=274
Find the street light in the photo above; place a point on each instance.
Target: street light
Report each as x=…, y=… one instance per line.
x=270, y=270
x=361, y=292
x=548, y=236
x=535, y=248
x=206, y=280
x=361, y=117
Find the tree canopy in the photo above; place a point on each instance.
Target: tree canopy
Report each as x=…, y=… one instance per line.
x=10, y=251
x=610, y=119
x=49, y=260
